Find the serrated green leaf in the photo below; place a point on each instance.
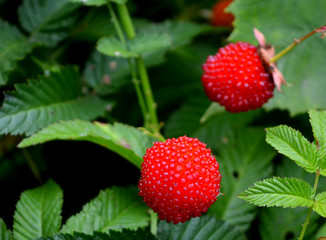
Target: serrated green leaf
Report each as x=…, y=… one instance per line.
x=280, y=192
x=318, y=123
x=91, y=2
x=205, y=227
x=47, y=21
x=244, y=158
x=320, y=206
x=125, y=140
x=38, y=212
x=294, y=145
x=303, y=67
x=47, y=100
x=5, y=233
x=13, y=47
x=112, y=209
x=142, y=43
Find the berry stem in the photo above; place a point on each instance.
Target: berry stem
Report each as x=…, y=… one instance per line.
x=142, y=71
x=154, y=219
x=296, y=42
x=306, y=222
x=134, y=77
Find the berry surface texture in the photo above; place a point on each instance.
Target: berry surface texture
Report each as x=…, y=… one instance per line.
x=237, y=78
x=179, y=179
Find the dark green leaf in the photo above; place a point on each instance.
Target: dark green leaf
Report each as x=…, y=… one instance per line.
x=38, y=212
x=112, y=209
x=292, y=144
x=244, y=158
x=280, y=192
x=205, y=227
x=47, y=100
x=13, y=47
x=125, y=140
x=91, y=2
x=5, y=234
x=47, y=21
x=303, y=66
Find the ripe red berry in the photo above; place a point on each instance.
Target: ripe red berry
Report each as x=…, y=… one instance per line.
x=179, y=179
x=237, y=78
x=219, y=16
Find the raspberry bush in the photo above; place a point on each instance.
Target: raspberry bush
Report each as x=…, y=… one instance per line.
x=148, y=120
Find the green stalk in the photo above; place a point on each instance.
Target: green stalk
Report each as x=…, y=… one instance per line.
x=154, y=219
x=296, y=42
x=142, y=71
x=306, y=222
x=134, y=78
x=32, y=166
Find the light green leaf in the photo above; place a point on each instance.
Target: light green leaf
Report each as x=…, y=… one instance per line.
x=5, y=234
x=320, y=206
x=47, y=100
x=318, y=123
x=244, y=158
x=47, y=21
x=125, y=140
x=38, y=212
x=112, y=209
x=91, y=2
x=292, y=144
x=142, y=43
x=205, y=227
x=303, y=66
x=118, y=1
x=14, y=46
x=280, y=192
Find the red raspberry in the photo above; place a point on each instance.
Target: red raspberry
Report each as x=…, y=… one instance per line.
x=237, y=78
x=219, y=16
x=179, y=179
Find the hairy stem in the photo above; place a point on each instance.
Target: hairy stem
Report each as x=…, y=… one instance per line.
x=296, y=42
x=306, y=222
x=142, y=71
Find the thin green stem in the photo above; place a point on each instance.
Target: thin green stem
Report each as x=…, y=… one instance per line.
x=134, y=77
x=306, y=222
x=296, y=42
x=126, y=20
x=32, y=166
x=154, y=219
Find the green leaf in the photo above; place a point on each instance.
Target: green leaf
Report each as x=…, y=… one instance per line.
x=292, y=144
x=244, y=158
x=280, y=192
x=320, y=206
x=91, y=2
x=125, y=140
x=47, y=21
x=47, y=100
x=205, y=227
x=318, y=123
x=142, y=43
x=303, y=66
x=14, y=46
x=5, y=234
x=112, y=209
x=38, y=212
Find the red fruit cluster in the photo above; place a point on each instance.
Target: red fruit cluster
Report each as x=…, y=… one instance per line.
x=179, y=179
x=237, y=78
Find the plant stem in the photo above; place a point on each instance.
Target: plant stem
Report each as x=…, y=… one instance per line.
x=142, y=71
x=154, y=219
x=134, y=78
x=296, y=42
x=32, y=166
x=306, y=222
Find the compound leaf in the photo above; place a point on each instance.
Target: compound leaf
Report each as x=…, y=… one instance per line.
x=205, y=227
x=280, y=192
x=320, y=206
x=292, y=144
x=112, y=209
x=38, y=212
x=5, y=234
x=303, y=67
x=47, y=21
x=14, y=46
x=125, y=140
x=47, y=100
